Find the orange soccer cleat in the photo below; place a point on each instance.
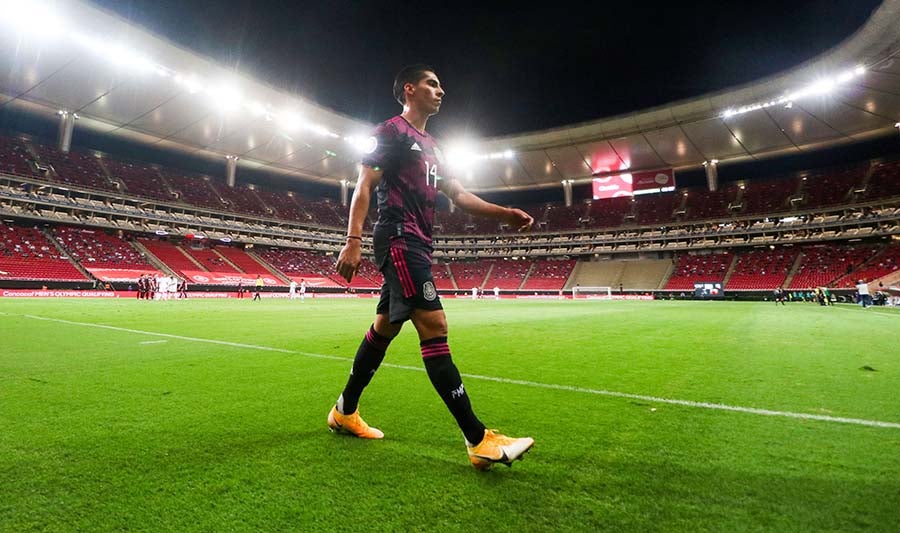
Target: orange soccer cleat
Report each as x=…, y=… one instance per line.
x=352, y=424
x=497, y=448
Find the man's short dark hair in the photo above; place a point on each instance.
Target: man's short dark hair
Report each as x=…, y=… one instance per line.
x=409, y=74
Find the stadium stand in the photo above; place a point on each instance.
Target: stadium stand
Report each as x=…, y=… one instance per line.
x=609, y=213
x=75, y=168
x=507, y=275
x=644, y=275
x=243, y=260
x=171, y=255
x=885, y=262
x=15, y=158
x=26, y=254
x=140, y=179
x=655, y=208
x=549, y=274
x=470, y=274
x=831, y=187
x=703, y=204
x=885, y=180
x=596, y=274
x=699, y=268
x=194, y=190
x=821, y=265
x=315, y=268
x=559, y=217
x=240, y=199
x=442, y=278
x=761, y=269
x=98, y=249
x=768, y=196
x=208, y=258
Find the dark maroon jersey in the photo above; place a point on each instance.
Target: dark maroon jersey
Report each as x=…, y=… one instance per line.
x=406, y=194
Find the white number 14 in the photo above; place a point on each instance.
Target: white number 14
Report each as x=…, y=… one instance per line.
x=431, y=175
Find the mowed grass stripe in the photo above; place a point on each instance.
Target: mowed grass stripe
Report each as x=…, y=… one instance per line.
x=526, y=383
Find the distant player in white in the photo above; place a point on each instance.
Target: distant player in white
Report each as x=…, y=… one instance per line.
x=292, y=289
x=302, y=290
x=160, y=287
x=496, y=293
x=173, y=288
x=865, y=300
x=474, y=293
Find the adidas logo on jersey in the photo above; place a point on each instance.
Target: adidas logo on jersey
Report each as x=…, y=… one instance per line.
x=415, y=146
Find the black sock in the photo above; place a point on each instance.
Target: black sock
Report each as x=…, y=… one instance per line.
x=447, y=382
x=368, y=358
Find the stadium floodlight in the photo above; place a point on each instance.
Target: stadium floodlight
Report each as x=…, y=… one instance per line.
x=318, y=129
x=819, y=87
x=362, y=144
x=461, y=155
x=290, y=121
x=192, y=83
x=30, y=17
x=256, y=109
x=225, y=97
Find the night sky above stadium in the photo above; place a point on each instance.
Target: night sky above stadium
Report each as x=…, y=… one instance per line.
x=506, y=69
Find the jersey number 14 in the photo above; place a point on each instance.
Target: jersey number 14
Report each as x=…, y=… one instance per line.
x=431, y=175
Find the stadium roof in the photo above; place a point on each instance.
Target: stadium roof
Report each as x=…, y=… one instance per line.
x=124, y=81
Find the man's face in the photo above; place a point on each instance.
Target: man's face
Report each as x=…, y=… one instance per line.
x=425, y=95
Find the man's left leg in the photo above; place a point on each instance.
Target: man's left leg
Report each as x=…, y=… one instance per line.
x=485, y=447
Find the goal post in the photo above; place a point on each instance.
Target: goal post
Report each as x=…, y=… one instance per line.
x=592, y=293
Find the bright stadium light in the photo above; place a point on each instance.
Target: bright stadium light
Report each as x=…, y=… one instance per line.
x=461, y=155
x=30, y=17
x=820, y=87
x=290, y=121
x=192, y=83
x=225, y=97
x=256, y=109
x=362, y=144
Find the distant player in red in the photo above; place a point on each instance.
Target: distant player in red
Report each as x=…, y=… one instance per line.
x=403, y=170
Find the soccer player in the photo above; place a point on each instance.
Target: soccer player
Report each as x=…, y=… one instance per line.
x=292, y=289
x=862, y=288
x=302, y=290
x=403, y=171
x=259, y=285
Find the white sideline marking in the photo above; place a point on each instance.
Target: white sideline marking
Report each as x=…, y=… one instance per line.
x=152, y=342
x=551, y=386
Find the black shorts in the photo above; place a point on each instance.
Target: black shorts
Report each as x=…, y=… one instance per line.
x=408, y=282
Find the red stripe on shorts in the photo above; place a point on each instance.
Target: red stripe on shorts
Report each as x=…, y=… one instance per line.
x=409, y=288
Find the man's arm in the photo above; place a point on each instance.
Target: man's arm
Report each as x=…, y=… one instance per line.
x=351, y=254
x=470, y=203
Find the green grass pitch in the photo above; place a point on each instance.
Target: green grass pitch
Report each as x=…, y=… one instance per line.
x=121, y=428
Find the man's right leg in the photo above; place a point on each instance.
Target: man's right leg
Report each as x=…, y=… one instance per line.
x=344, y=415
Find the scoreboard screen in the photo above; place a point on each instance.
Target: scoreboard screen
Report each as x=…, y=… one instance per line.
x=708, y=289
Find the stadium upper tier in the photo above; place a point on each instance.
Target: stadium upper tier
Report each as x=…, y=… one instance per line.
x=856, y=184
x=121, y=80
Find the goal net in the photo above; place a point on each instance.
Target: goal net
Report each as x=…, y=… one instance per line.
x=592, y=293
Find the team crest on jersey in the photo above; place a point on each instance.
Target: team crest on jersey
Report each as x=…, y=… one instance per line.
x=428, y=291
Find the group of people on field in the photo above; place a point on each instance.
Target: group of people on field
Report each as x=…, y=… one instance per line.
x=161, y=287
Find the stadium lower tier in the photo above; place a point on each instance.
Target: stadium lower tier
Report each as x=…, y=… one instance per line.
x=47, y=254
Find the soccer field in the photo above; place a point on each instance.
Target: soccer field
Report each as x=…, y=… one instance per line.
x=685, y=416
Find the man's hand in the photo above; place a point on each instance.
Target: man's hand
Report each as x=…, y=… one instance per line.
x=519, y=219
x=349, y=259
